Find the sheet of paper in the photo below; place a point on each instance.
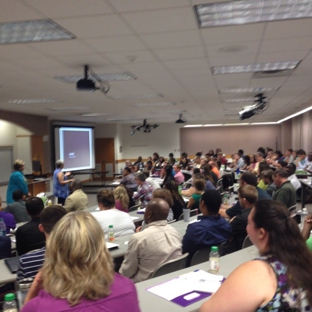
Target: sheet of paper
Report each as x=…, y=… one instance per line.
x=111, y=245
x=186, y=283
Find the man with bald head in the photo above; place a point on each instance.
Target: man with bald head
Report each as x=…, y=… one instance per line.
x=78, y=200
x=157, y=243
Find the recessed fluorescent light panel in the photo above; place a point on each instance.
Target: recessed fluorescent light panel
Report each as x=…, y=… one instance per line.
x=93, y=115
x=236, y=124
x=34, y=101
x=246, y=90
x=32, y=31
x=104, y=77
x=251, y=68
x=296, y=114
x=71, y=108
x=153, y=104
x=246, y=12
x=237, y=100
x=192, y=126
x=135, y=97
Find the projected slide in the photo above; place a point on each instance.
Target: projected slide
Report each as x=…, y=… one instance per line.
x=76, y=148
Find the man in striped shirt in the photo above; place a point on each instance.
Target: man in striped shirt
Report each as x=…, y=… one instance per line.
x=31, y=262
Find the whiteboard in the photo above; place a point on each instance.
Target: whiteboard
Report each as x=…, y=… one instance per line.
x=6, y=164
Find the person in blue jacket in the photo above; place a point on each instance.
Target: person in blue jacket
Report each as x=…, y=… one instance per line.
x=17, y=181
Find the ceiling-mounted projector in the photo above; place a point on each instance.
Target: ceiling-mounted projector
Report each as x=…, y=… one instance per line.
x=86, y=84
x=259, y=106
x=181, y=120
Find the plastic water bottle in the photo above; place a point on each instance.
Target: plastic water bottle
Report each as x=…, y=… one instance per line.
x=304, y=213
x=180, y=189
x=2, y=228
x=9, y=303
x=111, y=236
x=214, y=259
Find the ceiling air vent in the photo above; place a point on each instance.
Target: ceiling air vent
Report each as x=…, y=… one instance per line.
x=273, y=73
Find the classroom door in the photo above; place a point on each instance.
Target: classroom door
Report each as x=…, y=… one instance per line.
x=104, y=158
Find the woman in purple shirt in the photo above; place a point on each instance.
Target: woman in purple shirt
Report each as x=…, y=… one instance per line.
x=78, y=272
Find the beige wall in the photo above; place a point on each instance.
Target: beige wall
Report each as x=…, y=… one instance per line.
x=301, y=132
x=230, y=139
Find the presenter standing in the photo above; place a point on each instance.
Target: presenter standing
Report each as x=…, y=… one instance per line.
x=17, y=181
x=60, y=183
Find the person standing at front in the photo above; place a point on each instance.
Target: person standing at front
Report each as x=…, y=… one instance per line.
x=60, y=183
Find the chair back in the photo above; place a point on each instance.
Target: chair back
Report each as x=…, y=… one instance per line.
x=247, y=242
x=170, y=266
x=202, y=255
x=193, y=212
x=135, y=207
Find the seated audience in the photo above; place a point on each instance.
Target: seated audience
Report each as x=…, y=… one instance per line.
x=8, y=219
x=139, y=163
x=148, y=166
x=151, y=181
x=121, y=198
x=214, y=168
x=184, y=162
x=267, y=178
x=165, y=195
x=179, y=176
x=78, y=273
x=211, y=230
x=18, y=208
x=199, y=185
x=280, y=164
x=246, y=178
x=155, y=157
x=168, y=177
x=208, y=177
x=246, y=165
x=253, y=163
x=128, y=179
x=145, y=191
x=28, y=236
x=171, y=159
x=157, y=243
x=289, y=158
x=259, y=158
x=262, y=166
x=309, y=164
x=302, y=160
x=247, y=197
x=262, y=150
x=189, y=192
x=178, y=202
x=221, y=159
x=109, y=215
x=291, y=169
x=238, y=161
x=31, y=262
x=278, y=280
x=285, y=192
x=78, y=200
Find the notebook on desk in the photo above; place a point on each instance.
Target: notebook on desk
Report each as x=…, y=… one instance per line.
x=111, y=246
x=12, y=264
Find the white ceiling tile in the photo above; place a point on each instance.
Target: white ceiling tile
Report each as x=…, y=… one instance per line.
x=95, y=26
x=143, y=67
x=61, y=48
x=140, y=5
x=18, y=51
x=289, y=29
x=234, y=59
x=269, y=82
x=233, y=34
x=78, y=61
x=282, y=56
x=189, y=64
x=13, y=11
x=162, y=20
x=281, y=45
x=233, y=81
x=194, y=52
x=130, y=57
x=117, y=44
x=60, y=8
x=39, y=63
x=187, y=38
